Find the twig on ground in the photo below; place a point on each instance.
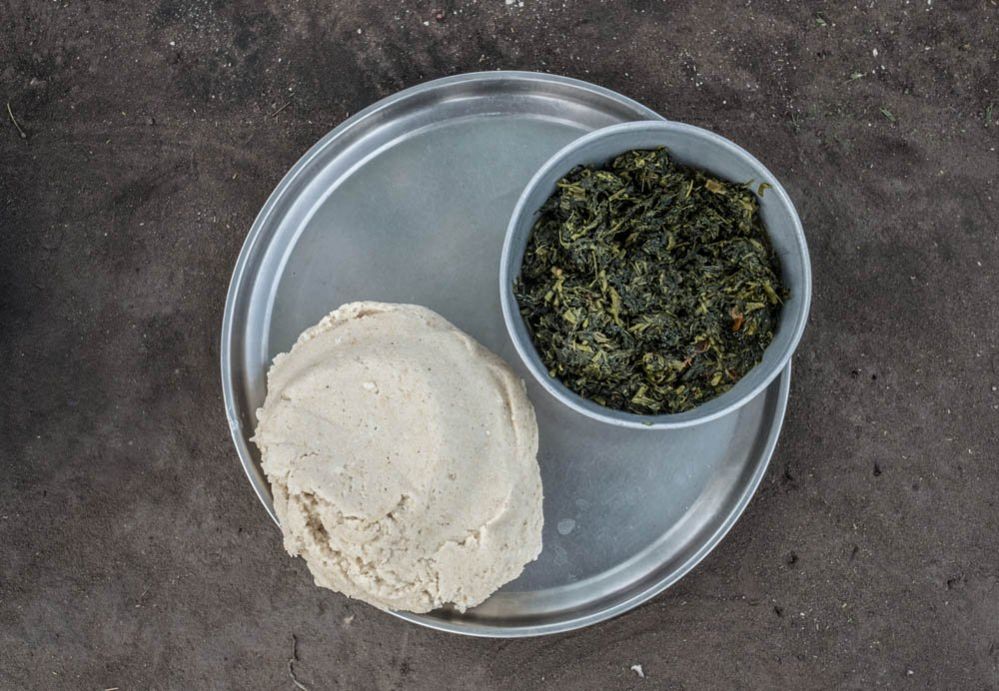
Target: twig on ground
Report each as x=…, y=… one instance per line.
x=14, y=120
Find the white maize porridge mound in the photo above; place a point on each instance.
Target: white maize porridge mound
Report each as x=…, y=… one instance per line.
x=402, y=457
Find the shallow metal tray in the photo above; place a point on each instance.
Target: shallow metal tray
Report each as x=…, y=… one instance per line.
x=408, y=201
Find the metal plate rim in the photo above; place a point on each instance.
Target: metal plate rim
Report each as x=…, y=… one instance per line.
x=228, y=332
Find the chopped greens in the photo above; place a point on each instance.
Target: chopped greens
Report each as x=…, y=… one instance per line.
x=647, y=286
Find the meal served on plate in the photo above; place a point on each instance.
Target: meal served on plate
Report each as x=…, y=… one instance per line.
x=647, y=286
x=402, y=459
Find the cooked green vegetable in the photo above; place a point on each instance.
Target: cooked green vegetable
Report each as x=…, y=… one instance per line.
x=647, y=286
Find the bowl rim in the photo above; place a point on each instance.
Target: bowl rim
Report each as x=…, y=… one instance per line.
x=525, y=346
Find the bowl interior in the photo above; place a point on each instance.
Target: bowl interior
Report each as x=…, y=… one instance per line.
x=697, y=148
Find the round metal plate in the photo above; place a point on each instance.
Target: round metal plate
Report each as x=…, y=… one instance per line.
x=408, y=201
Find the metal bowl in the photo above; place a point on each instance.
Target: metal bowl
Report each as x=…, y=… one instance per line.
x=697, y=148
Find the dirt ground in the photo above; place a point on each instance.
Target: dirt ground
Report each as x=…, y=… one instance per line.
x=134, y=554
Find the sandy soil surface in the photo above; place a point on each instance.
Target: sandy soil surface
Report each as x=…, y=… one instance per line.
x=135, y=554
